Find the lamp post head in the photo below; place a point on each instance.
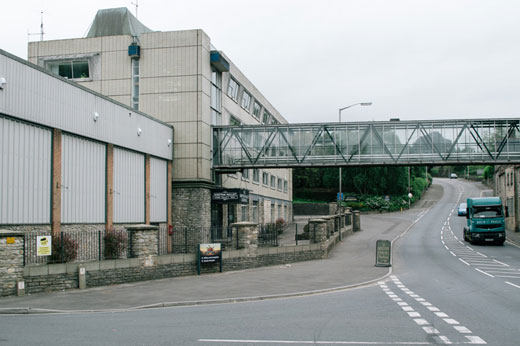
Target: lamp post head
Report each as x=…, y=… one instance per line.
x=366, y=103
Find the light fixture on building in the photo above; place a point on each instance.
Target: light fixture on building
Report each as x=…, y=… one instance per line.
x=169, y=142
x=3, y=82
x=96, y=116
x=139, y=131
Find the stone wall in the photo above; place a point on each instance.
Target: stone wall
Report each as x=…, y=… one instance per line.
x=11, y=260
x=191, y=206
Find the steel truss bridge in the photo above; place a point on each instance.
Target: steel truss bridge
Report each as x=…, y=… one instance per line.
x=397, y=143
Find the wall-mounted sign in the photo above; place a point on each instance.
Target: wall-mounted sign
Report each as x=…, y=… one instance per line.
x=9, y=240
x=44, y=245
x=383, y=252
x=230, y=196
x=209, y=253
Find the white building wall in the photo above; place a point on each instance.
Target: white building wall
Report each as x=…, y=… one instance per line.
x=129, y=186
x=83, y=180
x=25, y=173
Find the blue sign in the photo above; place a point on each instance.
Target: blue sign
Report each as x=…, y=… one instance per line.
x=340, y=196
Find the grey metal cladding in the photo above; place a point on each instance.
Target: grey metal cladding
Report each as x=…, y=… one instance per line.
x=129, y=186
x=83, y=180
x=25, y=173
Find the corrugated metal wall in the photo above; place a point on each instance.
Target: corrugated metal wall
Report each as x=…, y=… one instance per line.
x=25, y=173
x=129, y=180
x=158, y=190
x=83, y=180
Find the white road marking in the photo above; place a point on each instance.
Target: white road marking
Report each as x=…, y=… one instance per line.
x=451, y=321
x=507, y=276
x=502, y=263
x=483, y=272
x=312, y=342
x=453, y=253
x=462, y=329
x=420, y=299
x=466, y=263
x=426, y=303
x=402, y=303
x=431, y=330
x=414, y=314
x=481, y=254
x=470, y=248
x=397, y=299
x=475, y=340
x=445, y=340
x=512, y=284
x=433, y=308
x=441, y=314
x=407, y=308
x=421, y=321
x=446, y=248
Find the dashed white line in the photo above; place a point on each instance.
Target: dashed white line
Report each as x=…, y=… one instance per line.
x=475, y=339
x=451, y=321
x=462, y=329
x=502, y=263
x=431, y=330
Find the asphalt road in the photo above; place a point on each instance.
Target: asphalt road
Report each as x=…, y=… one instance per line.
x=441, y=291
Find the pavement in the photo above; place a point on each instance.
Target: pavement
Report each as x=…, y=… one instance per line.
x=349, y=265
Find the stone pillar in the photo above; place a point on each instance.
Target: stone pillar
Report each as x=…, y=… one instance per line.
x=357, y=221
x=333, y=207
x=318, y=230
x=330, y=225
x=11, y=261
x=145, y=242
x=247, y=233
x=348, y=218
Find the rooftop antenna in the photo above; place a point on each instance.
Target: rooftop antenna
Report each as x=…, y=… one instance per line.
x=41, y=33
x=136, y=4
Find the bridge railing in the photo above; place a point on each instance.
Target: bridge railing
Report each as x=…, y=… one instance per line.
x=473, y=141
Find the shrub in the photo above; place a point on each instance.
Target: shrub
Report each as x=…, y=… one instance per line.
x=280, y=224
x=64, y=249
x=115, y=244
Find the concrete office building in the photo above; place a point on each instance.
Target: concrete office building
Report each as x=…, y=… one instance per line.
x=507, y=186
x=180, y=79
x=73, y=159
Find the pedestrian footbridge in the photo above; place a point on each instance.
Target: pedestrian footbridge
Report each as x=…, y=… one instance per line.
x=398, y=143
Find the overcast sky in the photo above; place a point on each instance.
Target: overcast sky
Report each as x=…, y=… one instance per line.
x=413, y=59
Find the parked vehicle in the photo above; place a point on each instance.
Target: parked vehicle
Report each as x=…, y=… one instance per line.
x=453, y=176
x=485, y=220
x=462, y=209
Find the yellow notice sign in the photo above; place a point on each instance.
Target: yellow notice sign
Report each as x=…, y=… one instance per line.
x=9, y=240
x=43, y=245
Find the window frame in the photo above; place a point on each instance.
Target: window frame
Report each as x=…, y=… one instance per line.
x=232, y=92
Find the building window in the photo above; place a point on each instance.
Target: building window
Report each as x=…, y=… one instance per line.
x=216, y=97
x=279, y=211
x=266, y=118
x=272, y=212
x=71, y=69
x=273, y=182
x=233, y=89
x=245, y=174
x=244, y=208
x=255, y=211
x=265, y=178
x=280, y=184
x=256, y=110
x=285, y=212
x=233, y=121
x=246, y=101
x=256, y=175
x=135, y=84
x=285, y=186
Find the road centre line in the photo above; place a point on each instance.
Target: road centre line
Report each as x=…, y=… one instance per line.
x=466, y=263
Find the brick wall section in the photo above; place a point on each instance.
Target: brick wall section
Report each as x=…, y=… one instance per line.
x=56, y=182
x=109, y=208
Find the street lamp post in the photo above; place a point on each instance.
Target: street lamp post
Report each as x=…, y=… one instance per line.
x=339, y=113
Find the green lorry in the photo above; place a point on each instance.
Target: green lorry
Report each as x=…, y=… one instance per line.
x=486, y=220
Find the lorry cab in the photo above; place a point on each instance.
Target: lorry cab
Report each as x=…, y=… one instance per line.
x=485, y=220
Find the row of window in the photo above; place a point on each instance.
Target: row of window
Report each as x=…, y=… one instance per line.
x=245, y=102
x=268, y=180
x=275, y=213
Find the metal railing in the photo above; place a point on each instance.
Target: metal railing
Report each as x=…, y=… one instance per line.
x=268, y=235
